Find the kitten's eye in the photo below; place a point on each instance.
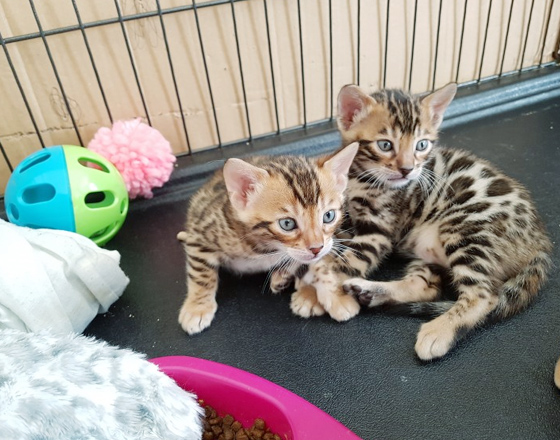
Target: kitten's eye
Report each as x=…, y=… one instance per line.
x=287, y=224
x=422, y=145
x=385, y=145
x=329, y=216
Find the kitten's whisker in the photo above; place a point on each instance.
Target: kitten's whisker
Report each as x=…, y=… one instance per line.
x=433, y=178
x=376, y=177
x=364, y=173
x=343, y=248
x=343, y=258
x=376, y=180
x=439, y=182
x=337, y=253
x=340, y=232
x=428, y=182
x=338, y=242
x=339, y=250
x=425, y=184
x=283, y=262
x=281, y=265
x=348, y=248
x=267, y=281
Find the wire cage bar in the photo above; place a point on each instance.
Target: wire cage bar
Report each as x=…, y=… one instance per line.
x=211, y=74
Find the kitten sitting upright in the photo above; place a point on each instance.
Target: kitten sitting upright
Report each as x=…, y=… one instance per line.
x=264, y=213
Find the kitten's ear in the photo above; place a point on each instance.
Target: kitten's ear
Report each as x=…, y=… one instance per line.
x=242, y=181
x=438, y=101
x=352, y=106
x=339, y=164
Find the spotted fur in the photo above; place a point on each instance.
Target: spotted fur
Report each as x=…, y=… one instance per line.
x=263, y=214
x=457, y=216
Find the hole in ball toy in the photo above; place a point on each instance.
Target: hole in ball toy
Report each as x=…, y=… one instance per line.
x=103, y=231
x=98, y=233
x=96, y=197
x=99, y=199
x=38, y=193
x=36, y=160
x=14, y=211
x=92, y=163
x=123, y=206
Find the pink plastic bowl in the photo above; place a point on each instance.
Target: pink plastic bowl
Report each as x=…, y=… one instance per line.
x=247, y=397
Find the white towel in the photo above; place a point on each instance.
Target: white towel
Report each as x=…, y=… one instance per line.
x=55, y=280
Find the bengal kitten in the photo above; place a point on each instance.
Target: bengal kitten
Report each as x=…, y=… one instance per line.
x=264, y=213
x=455, y=215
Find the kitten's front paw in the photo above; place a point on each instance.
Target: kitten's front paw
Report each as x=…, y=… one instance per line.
x=195, y=318
x=304, y=303
x=280, y=281
x=368, y=293
x=435, y=338
x=343, y=307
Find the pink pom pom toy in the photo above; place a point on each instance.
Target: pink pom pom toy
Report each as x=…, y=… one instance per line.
x=140, y=153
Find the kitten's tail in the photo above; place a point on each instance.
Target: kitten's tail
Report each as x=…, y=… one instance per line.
x=515, y=295
x=421, y=309
x=518, y=292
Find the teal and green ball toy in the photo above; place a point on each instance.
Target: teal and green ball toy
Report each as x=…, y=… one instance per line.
x=69, y=188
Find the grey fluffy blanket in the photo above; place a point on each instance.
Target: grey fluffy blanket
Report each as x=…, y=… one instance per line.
x=73, y=387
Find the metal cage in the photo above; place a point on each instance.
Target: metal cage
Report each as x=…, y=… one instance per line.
x=283, y=61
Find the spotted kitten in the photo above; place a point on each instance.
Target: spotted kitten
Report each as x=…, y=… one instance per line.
x=267, y=213
x=456, y=215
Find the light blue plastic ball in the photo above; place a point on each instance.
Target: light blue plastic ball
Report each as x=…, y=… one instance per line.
x=58, y=188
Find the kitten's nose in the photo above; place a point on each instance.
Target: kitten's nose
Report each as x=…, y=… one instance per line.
x=316, y=250
x=405, y=171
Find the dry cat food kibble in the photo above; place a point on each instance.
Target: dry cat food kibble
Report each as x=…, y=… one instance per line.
x=227, y=428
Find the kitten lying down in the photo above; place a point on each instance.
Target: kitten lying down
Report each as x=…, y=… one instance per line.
x=267, y=213
x=479, y=251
